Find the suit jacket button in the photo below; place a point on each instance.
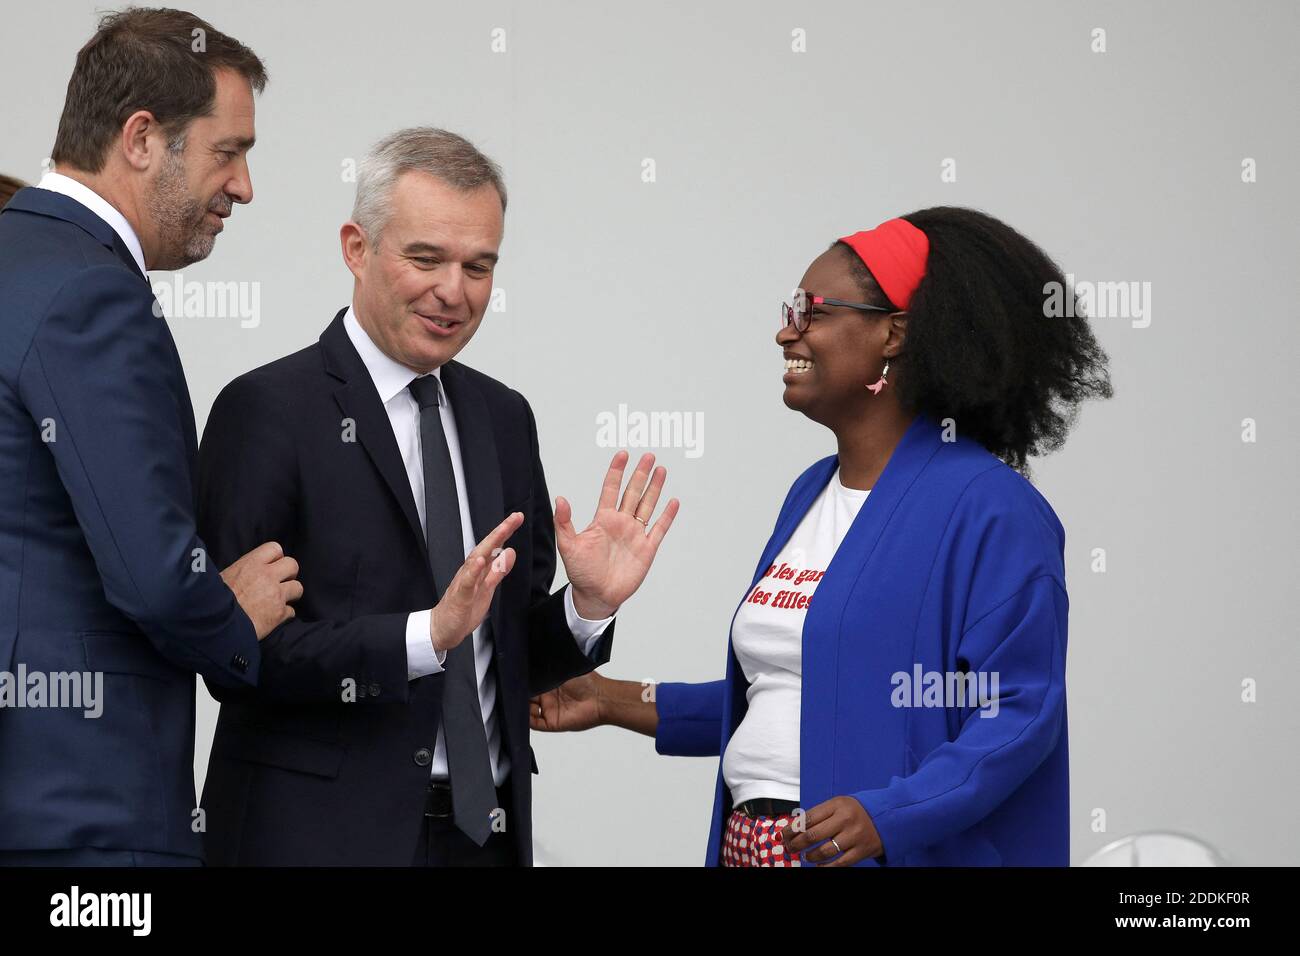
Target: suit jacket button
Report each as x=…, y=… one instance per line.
x=423, y=757
x=374, y=690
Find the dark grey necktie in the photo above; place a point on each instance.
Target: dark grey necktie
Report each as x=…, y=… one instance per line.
x=473, y=794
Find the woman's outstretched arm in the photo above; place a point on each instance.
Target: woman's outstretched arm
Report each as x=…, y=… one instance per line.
x=684, y=719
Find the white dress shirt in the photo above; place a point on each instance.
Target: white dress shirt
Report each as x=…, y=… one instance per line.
x=391, y=379
x=65, y=185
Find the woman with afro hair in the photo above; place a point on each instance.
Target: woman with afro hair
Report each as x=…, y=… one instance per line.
x=914, y=713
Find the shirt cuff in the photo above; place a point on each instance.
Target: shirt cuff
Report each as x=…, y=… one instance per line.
x=586, y=633
x=421, y=657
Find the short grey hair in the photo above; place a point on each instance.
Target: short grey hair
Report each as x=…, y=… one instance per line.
x=451, y=158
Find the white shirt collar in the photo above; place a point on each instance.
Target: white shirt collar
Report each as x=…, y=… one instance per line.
x=67, y=186
x=390, y=376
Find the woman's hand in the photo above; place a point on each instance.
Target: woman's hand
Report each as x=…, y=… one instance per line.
x=842, y=819
x=574, y=705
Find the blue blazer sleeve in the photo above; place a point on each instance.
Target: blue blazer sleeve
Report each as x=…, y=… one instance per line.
x=958, y=783
x=690, y=719
x=99, y=370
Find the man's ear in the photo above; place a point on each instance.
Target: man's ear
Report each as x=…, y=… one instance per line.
x=140, y=139
x=355, y=246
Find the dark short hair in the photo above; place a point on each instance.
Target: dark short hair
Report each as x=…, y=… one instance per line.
x=979, y=347
x=141, y=58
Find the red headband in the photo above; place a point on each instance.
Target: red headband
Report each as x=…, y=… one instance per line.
x=895, y=252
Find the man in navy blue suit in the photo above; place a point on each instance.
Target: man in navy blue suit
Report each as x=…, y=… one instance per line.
x=102, y=573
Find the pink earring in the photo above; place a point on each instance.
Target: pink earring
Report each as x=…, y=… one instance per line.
x=875, y=388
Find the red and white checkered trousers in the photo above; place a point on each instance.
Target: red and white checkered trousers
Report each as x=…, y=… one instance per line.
x=756, y=842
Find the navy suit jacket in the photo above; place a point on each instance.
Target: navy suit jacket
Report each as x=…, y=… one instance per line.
x=954, y=565
x=101, y=569
x=327, y=762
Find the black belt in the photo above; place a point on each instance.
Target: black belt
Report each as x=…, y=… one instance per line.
x=437, y=801
x=762, y=807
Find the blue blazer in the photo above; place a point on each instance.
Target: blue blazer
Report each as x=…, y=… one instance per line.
x=954, y=563
x=100, y=567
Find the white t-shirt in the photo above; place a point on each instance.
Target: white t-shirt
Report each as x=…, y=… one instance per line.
x=762, y=758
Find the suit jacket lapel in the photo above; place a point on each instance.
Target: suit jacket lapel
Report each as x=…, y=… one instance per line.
x=478, y=450
x=358, y=400
x=478, y=455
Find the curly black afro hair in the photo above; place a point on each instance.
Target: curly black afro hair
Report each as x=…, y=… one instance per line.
x=981, y=348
